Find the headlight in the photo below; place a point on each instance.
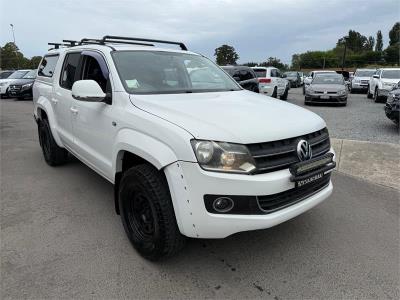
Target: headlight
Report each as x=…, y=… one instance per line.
x=342, y=92
x=27, y=86
x=3, y=83
x=223, y=157
x=388, y=84
x=357, y=80
x=309, y=91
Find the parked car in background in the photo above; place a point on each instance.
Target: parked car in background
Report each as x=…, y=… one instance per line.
x=245, y=76
x=310, y=77
x=302, y=75
x=294, y=78
x=392, y=106
x=382, y=82
x=272, y=82
x=361, y=79
x=22, y=88
x=5, y=74
x=5, y=83
x=327, y=88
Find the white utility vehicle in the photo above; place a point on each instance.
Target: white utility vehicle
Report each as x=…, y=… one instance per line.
x=188, y=156
x=272, y=82
x=361, y=79
x=382, y=82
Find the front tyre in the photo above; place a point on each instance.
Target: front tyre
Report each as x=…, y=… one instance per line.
x=53, y=154
x=147, y=213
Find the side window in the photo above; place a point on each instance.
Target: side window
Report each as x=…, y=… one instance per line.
x=245, y=75
x=47, y=66
x=93, y=71
x=273, y=73
x=278, y=73
x=67, y=77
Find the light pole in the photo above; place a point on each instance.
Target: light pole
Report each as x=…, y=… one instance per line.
x=12, y=30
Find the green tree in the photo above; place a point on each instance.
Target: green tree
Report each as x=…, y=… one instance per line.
x=394, y=34
x=379, y=41
x=34, y=62
x=10, y=57
x=369, y=46
x=274, y=62
x=355, y=41
x=226, y=55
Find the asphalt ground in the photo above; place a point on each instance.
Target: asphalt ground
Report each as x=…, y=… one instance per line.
x=60, y=238
x=362, y=118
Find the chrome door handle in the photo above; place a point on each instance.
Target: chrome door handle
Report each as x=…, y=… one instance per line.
x=74, y=110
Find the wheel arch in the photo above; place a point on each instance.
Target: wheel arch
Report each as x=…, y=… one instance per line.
x=43, y=109
x=134, y=148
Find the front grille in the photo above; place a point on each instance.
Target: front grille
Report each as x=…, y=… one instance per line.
x=364, y=81
x=284, y=199
x=279, y=155
x=15, y=87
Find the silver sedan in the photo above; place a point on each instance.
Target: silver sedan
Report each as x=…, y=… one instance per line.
x=327, y=88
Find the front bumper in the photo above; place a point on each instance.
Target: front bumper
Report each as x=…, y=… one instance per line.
x=189, y=184
x=392, y=111
x=20, y=93
x=332, y=98
x=3, y=89
x=384, y=92
x=359, y=86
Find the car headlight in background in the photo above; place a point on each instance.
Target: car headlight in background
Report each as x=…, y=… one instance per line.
x=342, y=92
x=223, y=157
x=3, y=83
x=387, y=84
x=309, y=90
x=356, y=80
x=27, y=86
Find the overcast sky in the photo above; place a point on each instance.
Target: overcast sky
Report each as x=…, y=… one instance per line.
x=257, y=29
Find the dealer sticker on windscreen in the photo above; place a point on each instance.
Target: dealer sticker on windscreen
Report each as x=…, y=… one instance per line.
x=309, y=179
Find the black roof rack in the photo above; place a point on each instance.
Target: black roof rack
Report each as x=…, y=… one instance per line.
x=113, y=39
x=56, y=45
x=71, y=42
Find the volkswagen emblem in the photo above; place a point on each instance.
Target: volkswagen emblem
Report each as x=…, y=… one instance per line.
x=304, y=151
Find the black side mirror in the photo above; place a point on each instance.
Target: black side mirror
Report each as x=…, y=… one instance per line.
x=237, y=78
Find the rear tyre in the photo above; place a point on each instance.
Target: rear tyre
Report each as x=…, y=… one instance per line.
x=53, y=154
x=285, y=94
x=147, y=213
x=376, y=95
x=275, y=93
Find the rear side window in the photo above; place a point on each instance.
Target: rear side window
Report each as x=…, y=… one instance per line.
x=47, y=66
x=246, y=75
x=68, y=72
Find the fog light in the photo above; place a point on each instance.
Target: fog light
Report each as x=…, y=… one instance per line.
x=223, y=204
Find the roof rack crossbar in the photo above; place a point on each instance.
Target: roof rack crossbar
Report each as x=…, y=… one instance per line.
x=72, y=43
x=129, y=43
x=107, y=38
x=56, y=45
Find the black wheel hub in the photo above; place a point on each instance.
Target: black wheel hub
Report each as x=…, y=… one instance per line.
x=140, y=216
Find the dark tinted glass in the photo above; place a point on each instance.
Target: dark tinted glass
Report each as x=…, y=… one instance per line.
x=93, y=71
x=260, y=72
x=5, y=74
x=69, y=69
x=47, y=66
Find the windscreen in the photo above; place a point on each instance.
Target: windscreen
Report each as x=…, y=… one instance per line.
x=328, y=79
x=159, y=72
x=391, y=74
x=5, y=74
x=17, y=75
x=364, y=73
x=260, y=72
x=291, y=74
x=30, y=75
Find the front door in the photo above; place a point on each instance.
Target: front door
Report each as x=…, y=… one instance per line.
x=94, y=127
